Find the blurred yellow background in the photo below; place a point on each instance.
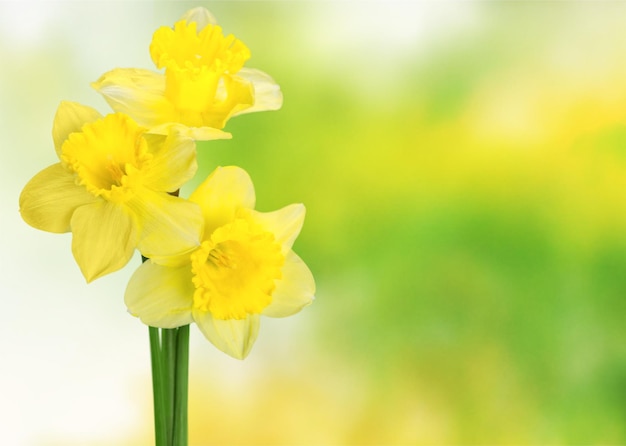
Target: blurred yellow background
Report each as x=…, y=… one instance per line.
x=463, y=165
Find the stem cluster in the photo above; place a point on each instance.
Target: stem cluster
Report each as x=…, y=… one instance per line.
x=169, y=353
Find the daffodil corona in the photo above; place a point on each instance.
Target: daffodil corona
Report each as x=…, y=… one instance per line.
x=204, y=83
x=110, y=189
x=243, y=268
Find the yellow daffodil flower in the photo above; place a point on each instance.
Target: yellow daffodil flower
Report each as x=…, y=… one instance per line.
x=204, y=83
x=243, y=268
x=110, y=189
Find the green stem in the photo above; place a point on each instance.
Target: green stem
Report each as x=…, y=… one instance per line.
x=160, y=422
x=182, y=385
x=168, y=349
x=170, y=378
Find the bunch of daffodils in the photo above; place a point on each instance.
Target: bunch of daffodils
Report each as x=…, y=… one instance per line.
x=211, y=258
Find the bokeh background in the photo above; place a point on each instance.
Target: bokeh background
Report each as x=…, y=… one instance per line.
x=463, y=165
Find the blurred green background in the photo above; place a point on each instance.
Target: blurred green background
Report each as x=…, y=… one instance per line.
x=463, y=165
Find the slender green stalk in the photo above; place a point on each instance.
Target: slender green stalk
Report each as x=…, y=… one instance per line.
x=160, y=422
x=169, y=351
x=182, y=386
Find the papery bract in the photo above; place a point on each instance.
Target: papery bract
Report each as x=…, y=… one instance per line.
x=110, y=189
x=203, y=86
x=243, y=268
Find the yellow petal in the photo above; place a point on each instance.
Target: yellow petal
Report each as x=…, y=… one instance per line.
x=284, y=223
x=207, y=134
x=137, y=93
x=169, y=226
x=195, y=133
x=104, y=238
x=50, y=198
x=294, y=291
x=234, y=94
x=201, y=16
x=161, y=296
x=174, y=162
x=267, y=94
x=224, y=191
x=235, y=337
x=69, y=118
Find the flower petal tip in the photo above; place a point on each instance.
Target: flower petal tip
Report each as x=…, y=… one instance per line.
x=201, y=16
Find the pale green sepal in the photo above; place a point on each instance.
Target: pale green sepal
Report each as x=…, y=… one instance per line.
x=284, y=223
x=294, y=291
x=267, y=94
x=174, y=162
x=160, y=296
x=138, y=93
x=49, y=199
x=221, y=194
x=169, y=226
x=235, y=337
x=103, y=238
x=201, y=16
x=70, y=117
